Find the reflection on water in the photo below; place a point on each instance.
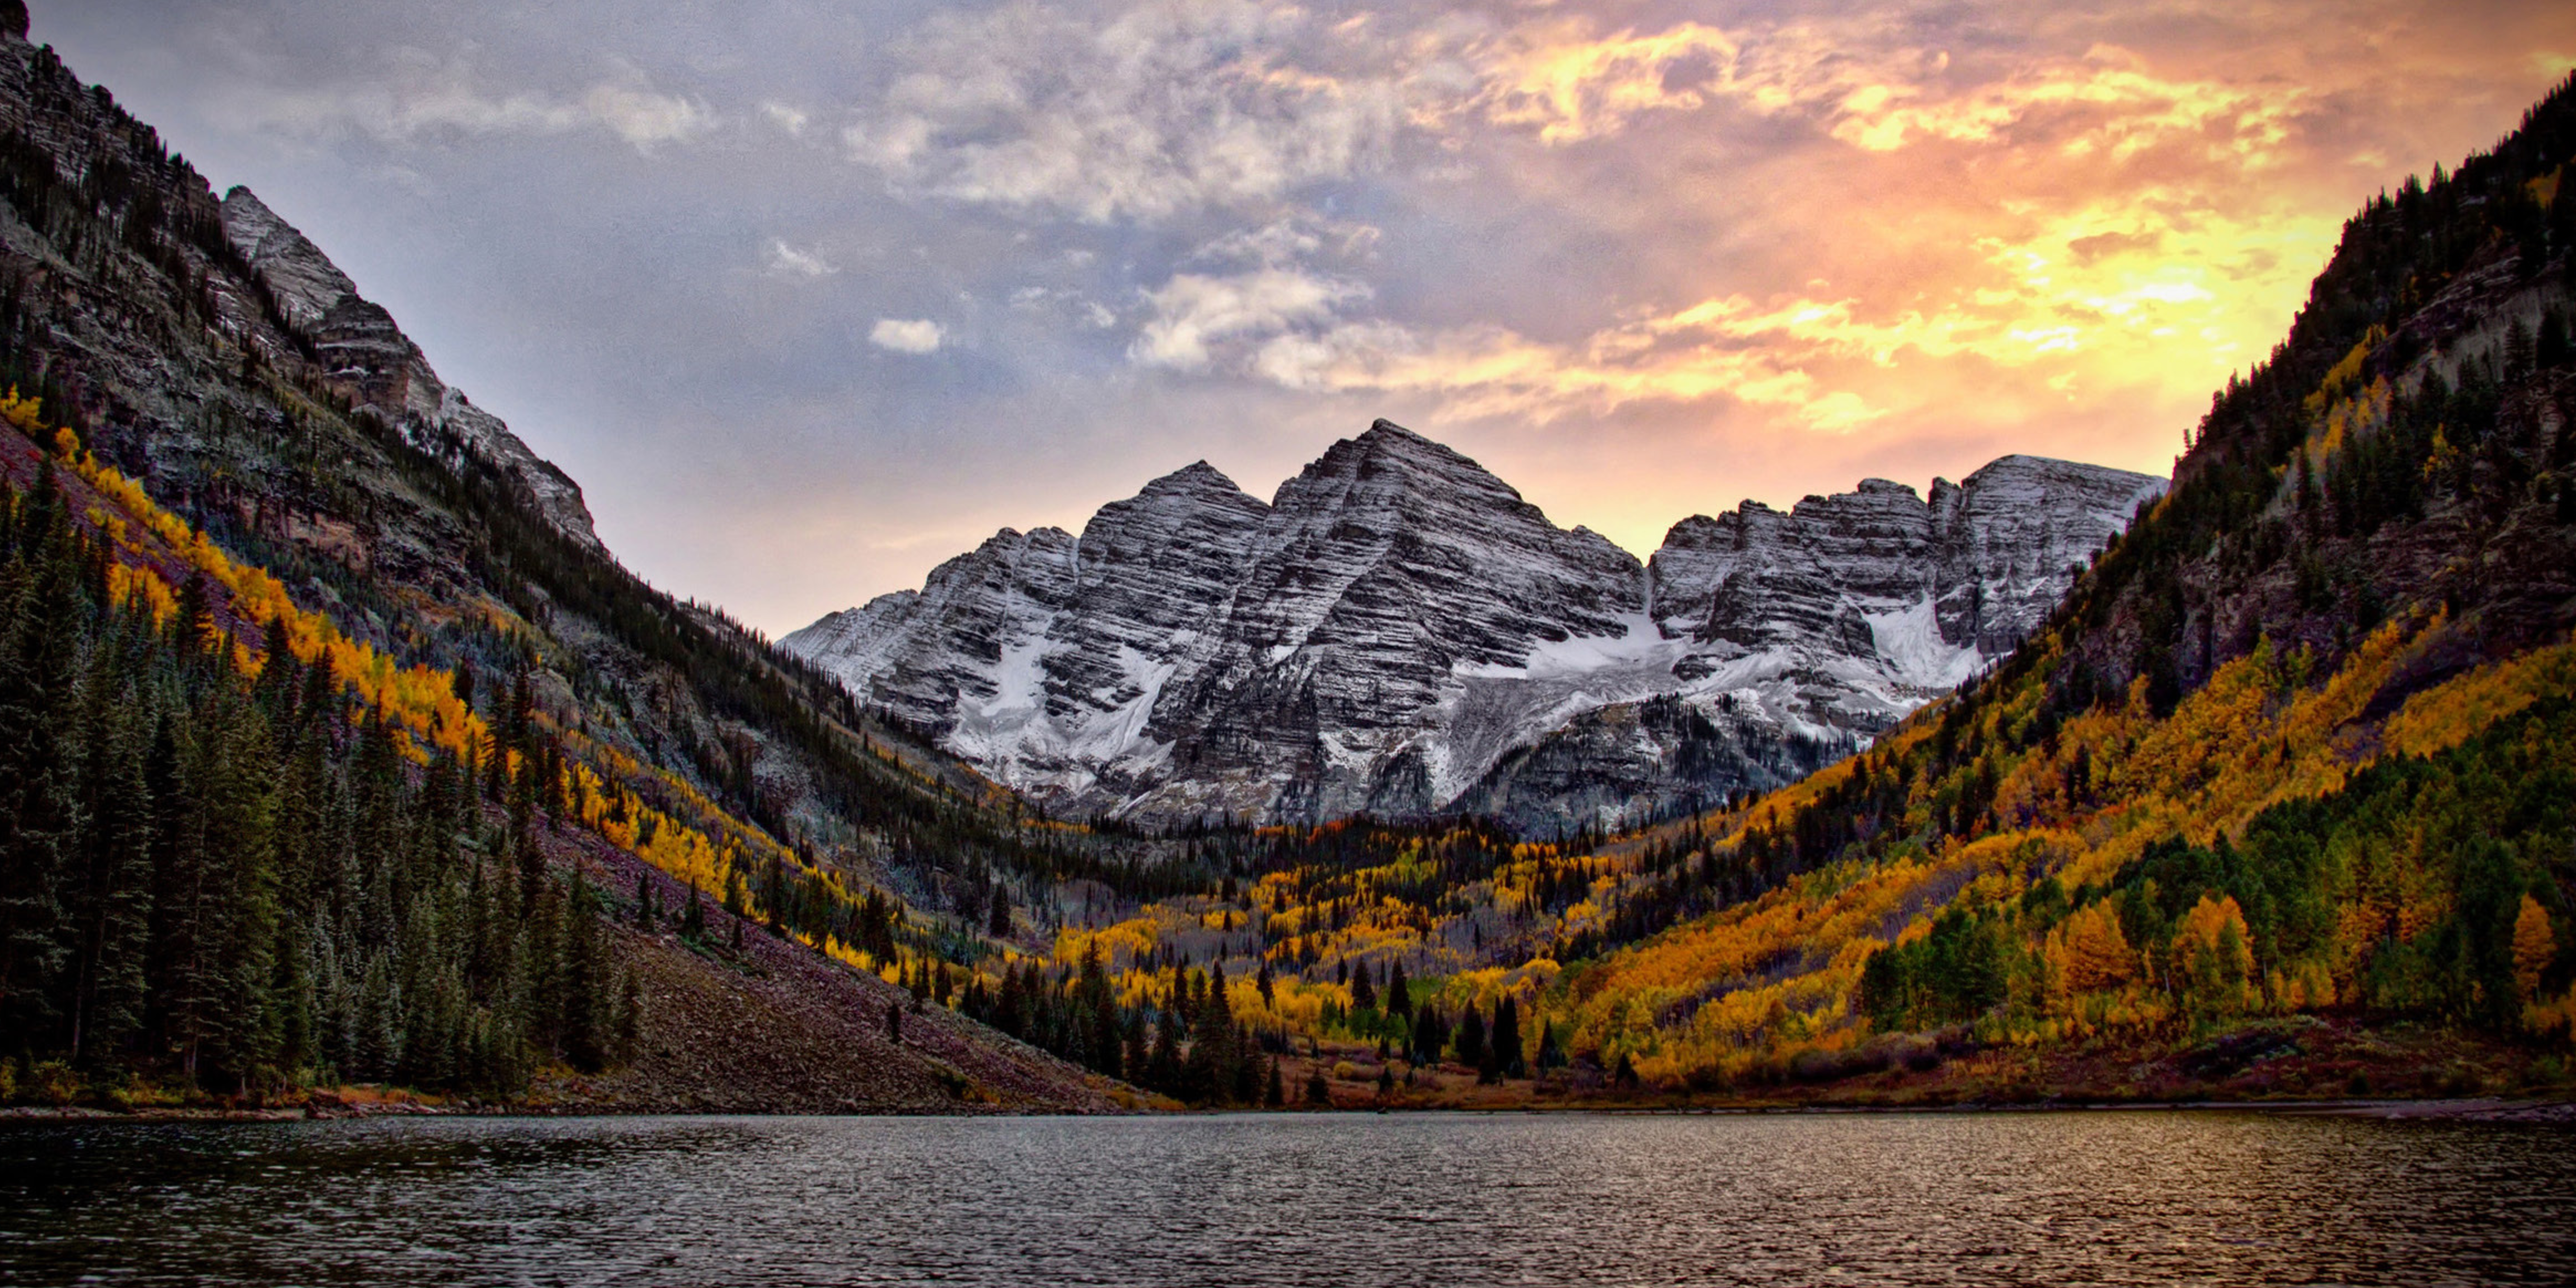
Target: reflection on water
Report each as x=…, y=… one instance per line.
x=2156, y=1197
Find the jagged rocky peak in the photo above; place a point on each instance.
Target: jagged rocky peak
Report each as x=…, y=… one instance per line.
x=1399, y=631
x=1383, y=567
x=1989, y=556
x=305, y=281
x=377, y=366
x=1193, y=521
x=1395, y=525
x=2014, y=530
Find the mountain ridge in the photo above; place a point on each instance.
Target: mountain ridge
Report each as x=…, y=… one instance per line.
x=385, y=370
x=1397, y=623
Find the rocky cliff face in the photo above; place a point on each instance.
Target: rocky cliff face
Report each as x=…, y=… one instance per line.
x=1793, y=638
x=381, y=369
x=1399, y=633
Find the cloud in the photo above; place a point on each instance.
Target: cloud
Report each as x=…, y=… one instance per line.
x=785, y=117
x=786, y=259
x=424, y=96
x=1570, y=86
x=1287, y=240
x=2112, y=108
x=2090, y=293
x=1193, y=312
x=644, y=118
x=1490, y=371
x=1166, y=107
x=907, y=335
x=1557, y=78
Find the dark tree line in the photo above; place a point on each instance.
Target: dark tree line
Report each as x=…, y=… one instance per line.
x=224, y=876
x=1184, y=1041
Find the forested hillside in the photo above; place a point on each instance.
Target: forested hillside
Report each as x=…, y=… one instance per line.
x=247, y=855
x=214, y=854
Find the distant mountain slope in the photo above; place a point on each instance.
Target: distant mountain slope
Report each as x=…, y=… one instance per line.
x=1399, y=633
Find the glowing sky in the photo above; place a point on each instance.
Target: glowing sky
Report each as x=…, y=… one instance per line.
x=811, y=296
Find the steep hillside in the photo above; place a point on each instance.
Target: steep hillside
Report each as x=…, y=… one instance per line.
x=1398, y=633
x=209, y=351
x=244, y=445
x=2279, y=800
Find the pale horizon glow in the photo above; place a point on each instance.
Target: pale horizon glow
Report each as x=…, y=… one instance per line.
x=809, y=302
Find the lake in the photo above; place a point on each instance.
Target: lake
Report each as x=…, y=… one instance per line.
x=2076, y=1197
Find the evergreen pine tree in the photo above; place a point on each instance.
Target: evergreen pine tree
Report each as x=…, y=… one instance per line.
x=38, y=818
x=693, y=919
x=1163, y=1063
x=630, y=1017
x=1503, y=1055
x=1471, y=1038
x=110, y=904
x=1247, y=1069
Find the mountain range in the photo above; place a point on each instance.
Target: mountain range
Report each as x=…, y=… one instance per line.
x=1398, y=633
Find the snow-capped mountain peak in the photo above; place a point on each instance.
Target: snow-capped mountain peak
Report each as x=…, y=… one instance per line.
x=1399, y=632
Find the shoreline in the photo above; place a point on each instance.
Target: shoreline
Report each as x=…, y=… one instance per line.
x=2489, y=1109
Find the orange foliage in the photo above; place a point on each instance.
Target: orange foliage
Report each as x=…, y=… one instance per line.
x=2210, y=955
x=2533, y=946
x=2091, y=952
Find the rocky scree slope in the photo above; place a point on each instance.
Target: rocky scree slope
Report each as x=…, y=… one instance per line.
x=1399, y=633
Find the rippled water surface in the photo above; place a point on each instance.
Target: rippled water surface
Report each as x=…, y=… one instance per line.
x=1919, y=1199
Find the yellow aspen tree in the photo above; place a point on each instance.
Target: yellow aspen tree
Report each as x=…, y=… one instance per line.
x=2211, y=957
x=2533, y=946
x=2091, y=952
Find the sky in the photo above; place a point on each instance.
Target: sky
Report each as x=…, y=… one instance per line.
x=812, y=296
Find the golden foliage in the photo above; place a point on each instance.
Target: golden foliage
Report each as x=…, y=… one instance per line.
x=1776, y=975
x=2211, y=957
x=418, y=702
x=2090, y=951
x=2533, y=945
